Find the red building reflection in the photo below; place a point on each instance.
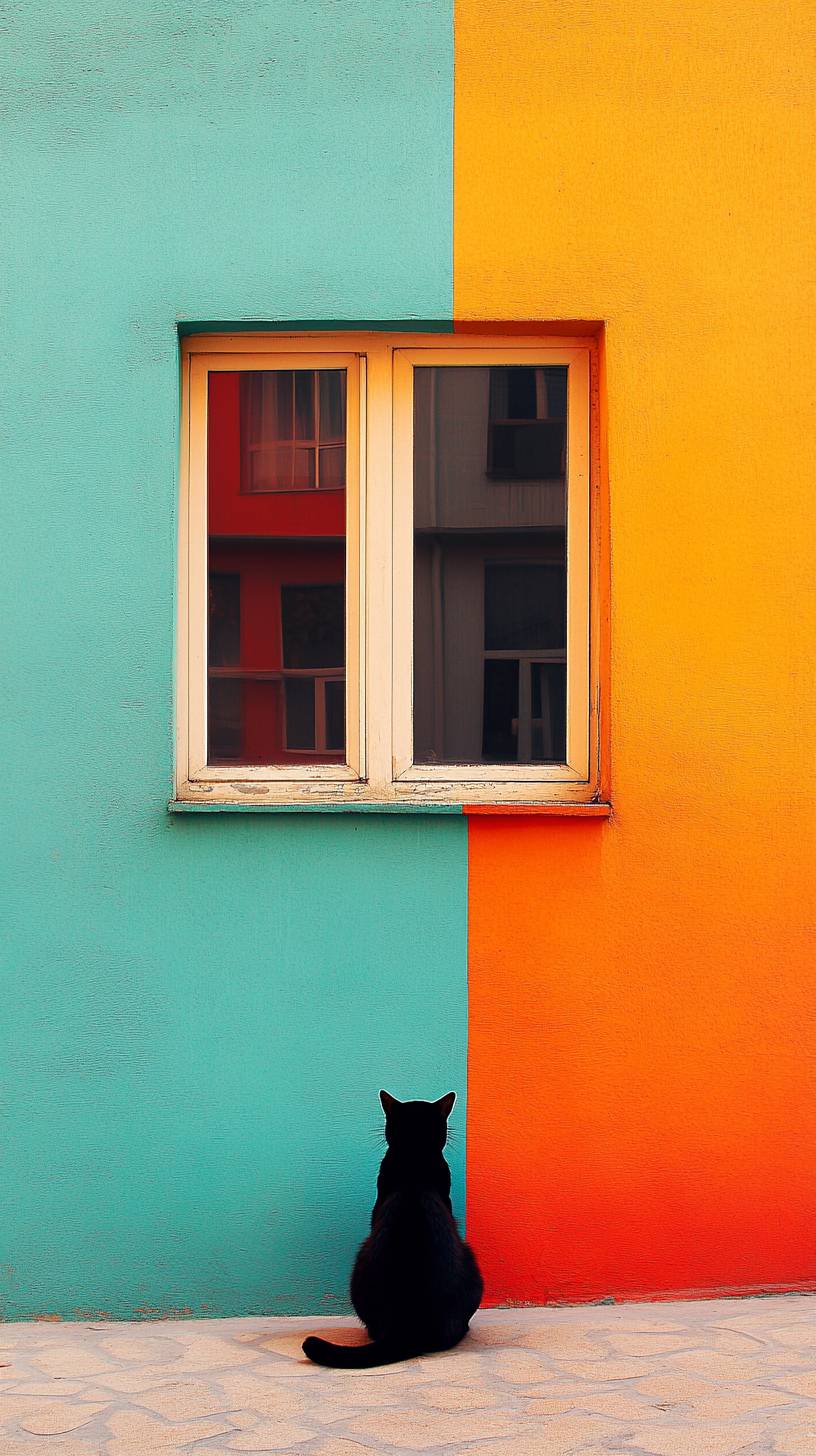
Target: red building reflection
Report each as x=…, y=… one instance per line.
x=277, y=563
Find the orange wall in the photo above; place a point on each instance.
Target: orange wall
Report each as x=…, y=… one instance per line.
x=642, y=1094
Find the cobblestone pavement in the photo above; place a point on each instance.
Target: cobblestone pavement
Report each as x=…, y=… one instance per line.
x=694, y=1379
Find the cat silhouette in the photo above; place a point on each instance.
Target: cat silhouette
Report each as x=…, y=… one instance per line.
x=415, y=1284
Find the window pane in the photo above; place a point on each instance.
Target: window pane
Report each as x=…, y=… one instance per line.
x=332, y=467
x=282, y=412
x=527, y=433
x=304, y=472
x=277, y=572
x=276, y=421
x=300, y=712
x=332, y=405
x=304, y=405
x=521, y=393
x=225, y=619
x=549, y=712
x=225, y=720
x=335, y=713
x=532, y=451
x=500, y=731
x=313, y=626
x=266, y=406
x=489, y=563
x=270, y=467
x=525, y=605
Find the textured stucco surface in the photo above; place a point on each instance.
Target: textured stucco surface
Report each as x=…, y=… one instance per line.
x=198, y=1012
x=642, y=997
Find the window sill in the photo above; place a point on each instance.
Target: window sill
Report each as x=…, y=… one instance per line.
x=549, y=811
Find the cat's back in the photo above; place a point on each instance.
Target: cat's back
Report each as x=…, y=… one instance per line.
x=414, y=1235
x=414, y=1270
x=415, y=1280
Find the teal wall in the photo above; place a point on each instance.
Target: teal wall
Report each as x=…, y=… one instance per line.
x=198, y=1011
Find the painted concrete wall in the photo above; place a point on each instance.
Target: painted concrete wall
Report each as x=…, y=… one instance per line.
x=198, y=1011
x=197, y=1014
x=642, y=1083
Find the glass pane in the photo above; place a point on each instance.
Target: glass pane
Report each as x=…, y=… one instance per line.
x=304, y=405
x=266, y=406
x=549, y=712
x=520, y=393
x=225, y=735
x=300, y=712
x=304, y=474
x=245, y=718
x=225, y=619
x=278, y=409
x=489, y=560
x=332, y=467
x=277, y=574
x=335, y=713
x=332, y=405
x=500, y=729
x=313, y=626
x=269, y=467
x=525, y=605
x=532, y=451
x=527, y=432
x=276, y=421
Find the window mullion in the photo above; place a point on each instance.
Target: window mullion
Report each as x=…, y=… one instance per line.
x=378, y=570
x=403, y=564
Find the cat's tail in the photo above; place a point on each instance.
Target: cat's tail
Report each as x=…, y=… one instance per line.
x=356, y=1357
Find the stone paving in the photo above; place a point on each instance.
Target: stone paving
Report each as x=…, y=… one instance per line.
x=703, y=1378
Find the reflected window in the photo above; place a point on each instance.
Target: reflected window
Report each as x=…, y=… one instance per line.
x=527, y=431
x=525, y=666
x=525, y=604
x=293, y=429
x=490, y=580
x=314, y=638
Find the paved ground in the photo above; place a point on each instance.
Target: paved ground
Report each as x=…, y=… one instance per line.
x=691, y=1379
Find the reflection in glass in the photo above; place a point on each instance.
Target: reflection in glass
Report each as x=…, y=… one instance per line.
x=225, y=619
x=312, y=625
x=490, y=590
x=525, y=604
x=224, y=719
x=300, y=712
x=276, y=450
x=501, y=705
x=549, y=711
x=335, y=709
x=292, y=429
x=527, y=433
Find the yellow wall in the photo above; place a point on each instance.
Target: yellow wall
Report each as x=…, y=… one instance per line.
x=650, y=165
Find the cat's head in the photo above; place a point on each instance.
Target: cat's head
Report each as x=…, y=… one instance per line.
x=419, y=1126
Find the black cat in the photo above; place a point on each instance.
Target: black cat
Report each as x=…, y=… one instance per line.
x=415, y=1283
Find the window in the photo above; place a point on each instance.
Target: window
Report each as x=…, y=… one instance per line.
x=527, y=436
x=292, y=429
x=386, y=571
x=313, y=671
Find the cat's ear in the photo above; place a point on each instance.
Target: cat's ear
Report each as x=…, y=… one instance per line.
x=445, y=1104
x=388, y=1102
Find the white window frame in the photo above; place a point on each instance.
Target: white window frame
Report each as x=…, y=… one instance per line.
x=379, y=580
